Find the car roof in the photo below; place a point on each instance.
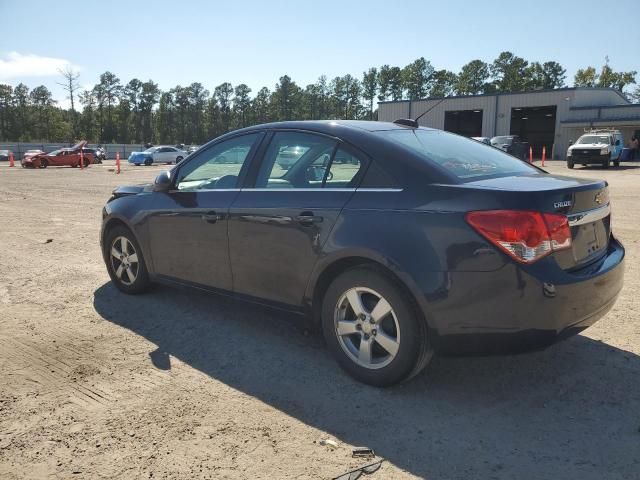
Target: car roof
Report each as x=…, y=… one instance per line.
x=332, y=126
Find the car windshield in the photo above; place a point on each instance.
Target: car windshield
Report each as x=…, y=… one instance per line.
x=502, y=140
x=151, y=150
x=593, y=139
x=55, y=152
x=465, y=158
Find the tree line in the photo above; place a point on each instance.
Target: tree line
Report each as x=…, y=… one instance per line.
x=140, y=112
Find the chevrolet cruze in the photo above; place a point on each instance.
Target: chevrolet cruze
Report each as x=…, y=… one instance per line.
x=417, y=242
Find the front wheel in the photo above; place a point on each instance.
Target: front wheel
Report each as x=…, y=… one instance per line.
x=570, y=164
x=148, y=162
x=372, y=328
x=606, y=163
x=125, y=263
x=178, y=160
x=44, y=163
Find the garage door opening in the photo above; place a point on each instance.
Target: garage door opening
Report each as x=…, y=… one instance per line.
x=536, y=125
x=464, y=122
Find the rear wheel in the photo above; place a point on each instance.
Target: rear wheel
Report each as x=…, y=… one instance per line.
x=372, y=328
x=44, y=163
x=125, y=263
x=85, y=162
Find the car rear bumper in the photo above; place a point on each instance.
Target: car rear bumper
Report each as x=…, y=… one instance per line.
x=511, y=310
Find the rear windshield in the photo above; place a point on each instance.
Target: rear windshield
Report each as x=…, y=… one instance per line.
x=463, y=157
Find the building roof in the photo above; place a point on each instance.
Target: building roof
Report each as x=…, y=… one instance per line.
x=500, y=94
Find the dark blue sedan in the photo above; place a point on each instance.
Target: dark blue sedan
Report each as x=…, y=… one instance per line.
x=416, y=241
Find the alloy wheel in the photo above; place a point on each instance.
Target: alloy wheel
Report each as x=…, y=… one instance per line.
x=367, y=328
x=124, y=260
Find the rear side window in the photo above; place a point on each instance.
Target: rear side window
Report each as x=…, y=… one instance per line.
x=462, y=157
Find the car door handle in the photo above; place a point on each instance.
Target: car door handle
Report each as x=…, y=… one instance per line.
x=211, y=217
x=308, y=218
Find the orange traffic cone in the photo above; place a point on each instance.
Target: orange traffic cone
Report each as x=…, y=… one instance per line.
x=544, y=154
x=530, y=154
x=11, y=160
x=118, y=162
x=81, y=160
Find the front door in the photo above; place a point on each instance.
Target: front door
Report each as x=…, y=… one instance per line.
x=277, y=227
x=188, y=225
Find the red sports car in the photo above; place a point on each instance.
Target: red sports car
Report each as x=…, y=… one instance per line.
x=59, y=158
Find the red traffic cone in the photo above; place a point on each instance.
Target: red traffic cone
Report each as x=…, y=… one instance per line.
x=544, y=154
x=530, y=154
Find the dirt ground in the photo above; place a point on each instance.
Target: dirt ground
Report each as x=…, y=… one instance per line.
x=178, y=384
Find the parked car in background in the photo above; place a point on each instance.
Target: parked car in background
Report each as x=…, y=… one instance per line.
x=4, y=155
x=288, y=155
x=92, y=151
x=432, y=243
x=159, y=154
x=192, y=148
x=100, y=154
x=485, y=140
x=512, y=144
x=59, y=158
x=600, y=147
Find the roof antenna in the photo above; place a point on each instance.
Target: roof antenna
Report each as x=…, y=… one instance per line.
x=408, y=122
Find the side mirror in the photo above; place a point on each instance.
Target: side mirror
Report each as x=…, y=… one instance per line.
x=617, y=143
x=570, y=142
x=162, y=182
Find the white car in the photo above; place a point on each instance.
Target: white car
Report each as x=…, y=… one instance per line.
x=160, y=154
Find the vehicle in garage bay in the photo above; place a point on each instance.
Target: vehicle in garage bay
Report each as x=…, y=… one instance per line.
x=512, y=144
x=159, y=154
x=600, y=147
x=63, y=157
x=485, y=140
x=429, y=242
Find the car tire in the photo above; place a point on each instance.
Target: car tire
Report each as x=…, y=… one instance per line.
x=606, y=163
x=44, y=163
x=129, y=274
x=75, y=165
x=178, y=160
x=570, y=164
x=148, y=162
x=406, y=350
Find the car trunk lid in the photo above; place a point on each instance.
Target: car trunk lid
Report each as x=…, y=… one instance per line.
x=584, y=201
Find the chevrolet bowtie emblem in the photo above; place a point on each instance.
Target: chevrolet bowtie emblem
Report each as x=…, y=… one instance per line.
x=598, y=198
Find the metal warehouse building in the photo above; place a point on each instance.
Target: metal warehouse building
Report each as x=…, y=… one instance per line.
x=550, y=118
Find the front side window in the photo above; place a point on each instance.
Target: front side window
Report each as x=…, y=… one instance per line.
x=296, y=160
x=462, y=157
x=217, y=167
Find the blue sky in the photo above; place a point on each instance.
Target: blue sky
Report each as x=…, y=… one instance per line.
x=256, y=42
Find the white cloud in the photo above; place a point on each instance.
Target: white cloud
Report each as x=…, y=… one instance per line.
x=17, y=66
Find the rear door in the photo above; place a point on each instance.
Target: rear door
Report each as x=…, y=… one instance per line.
x=278, y=224
x=188, y=225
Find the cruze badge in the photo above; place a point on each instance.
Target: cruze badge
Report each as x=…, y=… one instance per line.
x=562, y=204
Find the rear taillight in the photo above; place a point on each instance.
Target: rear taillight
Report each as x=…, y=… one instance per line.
x=525, y=236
